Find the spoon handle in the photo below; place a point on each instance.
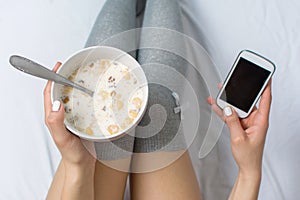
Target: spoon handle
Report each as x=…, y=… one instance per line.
x=30, y=67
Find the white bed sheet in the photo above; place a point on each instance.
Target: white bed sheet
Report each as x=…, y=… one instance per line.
x=272, y=29
x=48, y=31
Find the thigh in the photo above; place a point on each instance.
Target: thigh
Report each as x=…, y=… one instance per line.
x=160, y=128
x=176, y=181
x=113, y=159
x=109, y=183
x=112, y=26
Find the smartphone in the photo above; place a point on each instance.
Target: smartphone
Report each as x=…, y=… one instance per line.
x=245, y=82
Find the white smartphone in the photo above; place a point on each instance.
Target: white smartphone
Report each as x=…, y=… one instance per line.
x=245, y=82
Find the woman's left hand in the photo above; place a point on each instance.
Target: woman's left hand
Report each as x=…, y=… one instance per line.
x=73, y=152
x=248, y=134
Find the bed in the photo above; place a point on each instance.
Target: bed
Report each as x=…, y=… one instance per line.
x=48, y=31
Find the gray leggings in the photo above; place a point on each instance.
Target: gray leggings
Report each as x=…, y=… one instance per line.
x=115, y=26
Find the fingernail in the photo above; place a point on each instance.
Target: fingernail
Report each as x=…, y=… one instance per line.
x=56, y=106
x=227, y=111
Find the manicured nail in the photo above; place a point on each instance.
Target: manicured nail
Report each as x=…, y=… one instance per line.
x=227, y=111
x=56, y=106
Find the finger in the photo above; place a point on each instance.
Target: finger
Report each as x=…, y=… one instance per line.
x=210, y=100
x=215, y=107
x=220, y=85
x=57, y=66
x=232, y=120
x=55, y=121
x=254, y=108
x=265, y=101
x=47, y=99
x=218, y=111
x=47, y=93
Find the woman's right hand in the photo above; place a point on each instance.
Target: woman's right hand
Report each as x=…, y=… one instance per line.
x=70, y=146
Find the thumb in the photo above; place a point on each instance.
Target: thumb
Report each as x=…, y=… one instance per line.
x=56, y=124
x=232, y=120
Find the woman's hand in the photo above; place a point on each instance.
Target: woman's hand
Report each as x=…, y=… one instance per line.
x=75, y=175
x=248, y=134
x=247, y=144
x=69, y=145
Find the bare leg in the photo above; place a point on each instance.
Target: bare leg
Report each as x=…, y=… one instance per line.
x=176, y=181
x=111, y=171
x=161, y=165
x=109, y=183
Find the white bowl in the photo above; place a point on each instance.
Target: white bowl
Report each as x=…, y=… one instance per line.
x=91, y=54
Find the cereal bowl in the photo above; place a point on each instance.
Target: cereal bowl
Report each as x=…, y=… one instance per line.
x=120, y=93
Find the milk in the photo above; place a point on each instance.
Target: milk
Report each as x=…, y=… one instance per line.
x=116, y=104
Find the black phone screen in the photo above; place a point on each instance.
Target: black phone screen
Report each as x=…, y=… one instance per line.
x=244, y=84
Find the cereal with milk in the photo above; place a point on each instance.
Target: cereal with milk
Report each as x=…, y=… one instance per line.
x=117, y=102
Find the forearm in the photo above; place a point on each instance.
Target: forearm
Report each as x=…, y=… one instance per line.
x=78, y=182
x=72, y=182
x=246, y=187
x=57, y=184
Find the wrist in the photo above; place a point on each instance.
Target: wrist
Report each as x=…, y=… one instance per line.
x=251, y=171
x=87, y=162
x=253, y=176
x=246, y=186
x=79, y=172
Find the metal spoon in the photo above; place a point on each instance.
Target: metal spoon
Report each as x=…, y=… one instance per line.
x=35, y=69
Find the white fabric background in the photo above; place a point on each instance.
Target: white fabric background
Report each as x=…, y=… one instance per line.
x=272, y=29
x=47, y=31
